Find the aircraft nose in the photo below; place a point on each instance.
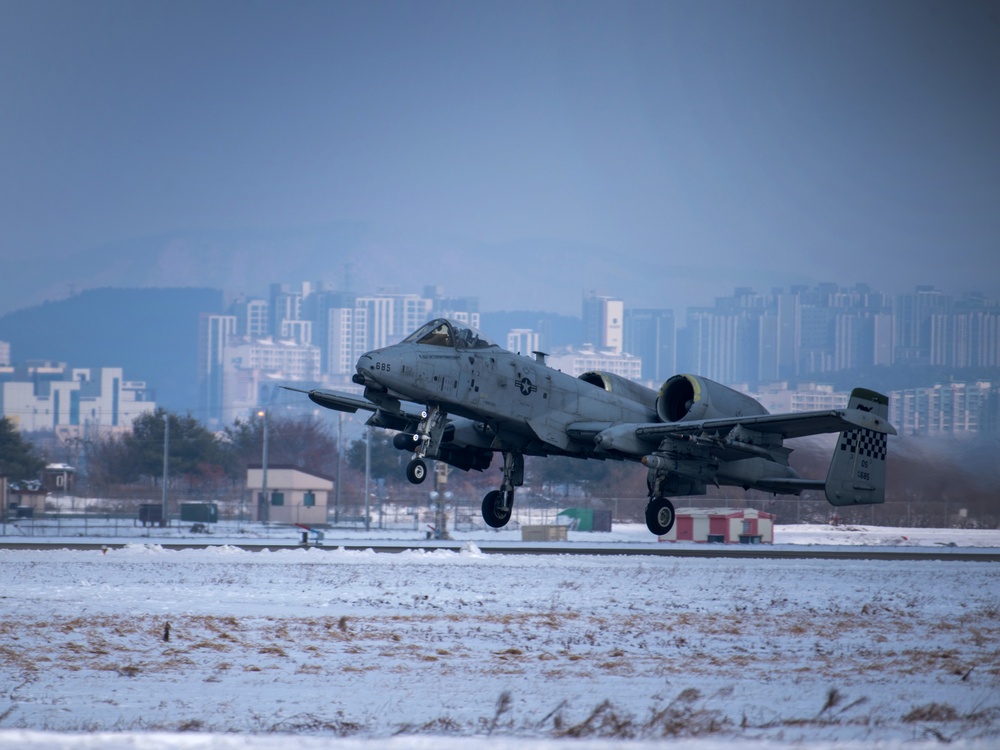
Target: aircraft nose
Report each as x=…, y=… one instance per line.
x=365, y=367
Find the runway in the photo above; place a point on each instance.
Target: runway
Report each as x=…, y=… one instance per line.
x=664, y=549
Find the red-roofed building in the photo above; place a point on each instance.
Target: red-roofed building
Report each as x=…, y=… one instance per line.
x=722, y=525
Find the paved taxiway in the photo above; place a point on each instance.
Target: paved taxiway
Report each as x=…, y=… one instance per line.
x=764, y=551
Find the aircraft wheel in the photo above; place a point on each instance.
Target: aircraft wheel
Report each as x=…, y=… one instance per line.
x=494, y=513
x=659, y=515
x=416, y=471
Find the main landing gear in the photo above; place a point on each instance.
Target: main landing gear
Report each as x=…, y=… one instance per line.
x=497, y=507
x=659, y=515
x=498, y=504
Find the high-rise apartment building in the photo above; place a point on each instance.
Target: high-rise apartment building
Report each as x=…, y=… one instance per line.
x=650, y=335
x=968, y=336
x=523, y=341
x=576, y=362
x=255, y=368
x=603, y=322
x=753, y=338
x=306, y=334
x=215, y=334
x=463, y=310
x=73, y=401
x=914, y=328
x=949, y=408
x=253, y=318
x=390, y=317
x=285, y=306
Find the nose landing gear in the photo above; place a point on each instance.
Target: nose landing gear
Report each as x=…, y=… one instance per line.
x=428, y=436
x=416, y=471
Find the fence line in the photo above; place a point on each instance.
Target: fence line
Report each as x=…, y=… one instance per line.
x=463, y=514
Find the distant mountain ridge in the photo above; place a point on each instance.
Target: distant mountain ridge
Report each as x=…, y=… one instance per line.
x=527, y=273
x=152, y=334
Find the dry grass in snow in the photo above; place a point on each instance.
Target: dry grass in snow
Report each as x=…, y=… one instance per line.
x=373, y=645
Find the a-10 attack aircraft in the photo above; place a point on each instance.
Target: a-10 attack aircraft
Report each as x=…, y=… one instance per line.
x=478, y=399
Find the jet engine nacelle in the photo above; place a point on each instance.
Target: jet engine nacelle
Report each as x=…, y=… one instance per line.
x=612, y=383
x=686, y=398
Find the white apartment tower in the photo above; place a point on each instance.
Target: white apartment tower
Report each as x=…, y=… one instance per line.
x=73, y=401
x=523, y=341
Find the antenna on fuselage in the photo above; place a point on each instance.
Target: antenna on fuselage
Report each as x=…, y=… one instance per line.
x=540, y=357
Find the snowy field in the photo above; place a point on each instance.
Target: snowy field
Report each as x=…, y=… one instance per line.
x=97, y=531
x=353, y=649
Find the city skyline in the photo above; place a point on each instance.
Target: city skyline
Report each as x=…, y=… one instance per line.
x=747, y=338
x=312, y=334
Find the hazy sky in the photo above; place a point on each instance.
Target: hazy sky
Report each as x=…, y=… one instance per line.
x=849, y=136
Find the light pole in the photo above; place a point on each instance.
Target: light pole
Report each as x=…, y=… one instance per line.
x=166, y=465
x=368, y=475
x=340, y=464
x=443, y=496
x=265, y=511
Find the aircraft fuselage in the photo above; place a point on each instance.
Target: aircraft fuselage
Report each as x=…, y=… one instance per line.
x=523, y=400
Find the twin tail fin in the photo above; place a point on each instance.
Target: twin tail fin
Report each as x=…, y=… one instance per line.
x=857, y=471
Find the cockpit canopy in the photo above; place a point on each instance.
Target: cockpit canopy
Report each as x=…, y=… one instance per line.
x=442, y=332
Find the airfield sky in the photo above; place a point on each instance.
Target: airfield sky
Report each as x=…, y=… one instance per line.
x=860, y=137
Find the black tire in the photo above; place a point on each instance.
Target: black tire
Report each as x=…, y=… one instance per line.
x=494, y=513
x=416, y=471
x=660, y=515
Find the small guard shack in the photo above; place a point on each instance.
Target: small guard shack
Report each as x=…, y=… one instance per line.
x=586, y=519
x=722, y=525
x=293, y=495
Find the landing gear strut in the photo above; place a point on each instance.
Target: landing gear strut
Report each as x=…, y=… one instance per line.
x=498, y=504
x=428, y=438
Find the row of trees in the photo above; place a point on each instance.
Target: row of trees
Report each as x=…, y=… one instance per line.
x=206, y=465
x=200, y=461
x=19, y=460
x=957, y=473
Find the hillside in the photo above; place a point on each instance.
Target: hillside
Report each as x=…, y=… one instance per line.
x=151, y=333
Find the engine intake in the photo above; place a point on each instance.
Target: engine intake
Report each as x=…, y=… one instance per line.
x=686, y=398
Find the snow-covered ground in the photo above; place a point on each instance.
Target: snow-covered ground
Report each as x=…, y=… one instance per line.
x=353, y=649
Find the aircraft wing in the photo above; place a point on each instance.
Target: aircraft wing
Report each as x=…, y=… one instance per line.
x=789, y=425
x=335, y=400
x=636, y=438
